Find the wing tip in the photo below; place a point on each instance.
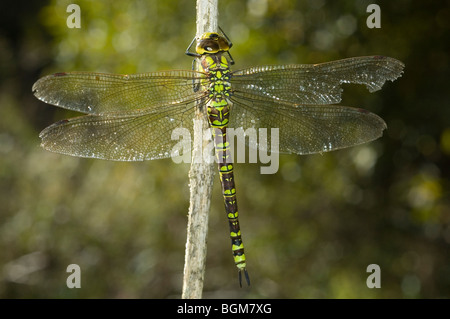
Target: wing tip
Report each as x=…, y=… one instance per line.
x=387, y=69
x=40, y=82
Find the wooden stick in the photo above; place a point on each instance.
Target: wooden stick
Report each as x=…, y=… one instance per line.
x=201, y=178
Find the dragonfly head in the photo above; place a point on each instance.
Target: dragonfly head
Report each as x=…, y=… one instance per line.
x=211, y=43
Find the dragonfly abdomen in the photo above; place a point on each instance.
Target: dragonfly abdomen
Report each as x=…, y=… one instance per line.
x=226, y=175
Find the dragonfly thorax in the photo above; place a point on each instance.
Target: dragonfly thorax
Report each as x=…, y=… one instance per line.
x=218, y=86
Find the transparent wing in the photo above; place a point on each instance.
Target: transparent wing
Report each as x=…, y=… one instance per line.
x=306, y=129
x=315, y=83
x=97, y=93
x=135, y=136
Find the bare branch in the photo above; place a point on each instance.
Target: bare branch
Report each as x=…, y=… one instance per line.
x=201, y=178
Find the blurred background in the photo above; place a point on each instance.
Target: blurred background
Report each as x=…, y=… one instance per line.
x=310, y=231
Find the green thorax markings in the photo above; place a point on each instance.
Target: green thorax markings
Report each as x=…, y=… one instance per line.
x=218, y=89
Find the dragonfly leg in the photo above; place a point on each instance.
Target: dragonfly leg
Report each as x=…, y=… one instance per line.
x=226, y=37
x=230, y=45
x=189, y=53
x=195, y=83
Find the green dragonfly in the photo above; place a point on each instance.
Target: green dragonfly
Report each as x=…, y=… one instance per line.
x=131, y=117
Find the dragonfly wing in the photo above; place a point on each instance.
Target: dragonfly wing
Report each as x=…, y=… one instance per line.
x=316, y=83
x=306, y=129
x=97, y=93
x=131, y=137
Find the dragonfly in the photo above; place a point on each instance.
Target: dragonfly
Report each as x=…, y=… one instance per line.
x=131, y=117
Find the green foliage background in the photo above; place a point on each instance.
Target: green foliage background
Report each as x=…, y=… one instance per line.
x=310, y=230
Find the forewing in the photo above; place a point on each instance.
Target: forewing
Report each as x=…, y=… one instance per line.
x=315, y=83
x=97, y=93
